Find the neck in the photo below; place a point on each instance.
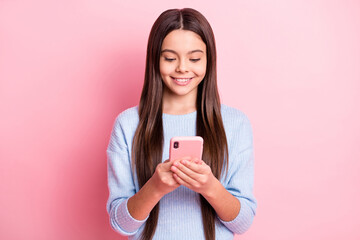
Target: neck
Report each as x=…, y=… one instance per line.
x=179, y=105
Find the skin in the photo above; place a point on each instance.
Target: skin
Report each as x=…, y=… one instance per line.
x=183, y=56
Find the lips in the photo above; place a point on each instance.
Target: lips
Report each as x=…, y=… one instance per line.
x=182, y=81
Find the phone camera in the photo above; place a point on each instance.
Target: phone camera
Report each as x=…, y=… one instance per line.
x=176, y=144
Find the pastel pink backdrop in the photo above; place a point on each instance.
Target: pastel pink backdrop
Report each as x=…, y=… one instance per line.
x=67, y=68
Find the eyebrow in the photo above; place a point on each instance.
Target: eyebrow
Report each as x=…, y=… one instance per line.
x=190, y=52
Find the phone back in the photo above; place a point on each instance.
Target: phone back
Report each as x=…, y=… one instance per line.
x=186, y=147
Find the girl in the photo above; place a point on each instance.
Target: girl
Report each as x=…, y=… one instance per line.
x=153, y=198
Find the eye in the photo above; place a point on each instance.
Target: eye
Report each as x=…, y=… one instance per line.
x=169, y=59
x=195, y=59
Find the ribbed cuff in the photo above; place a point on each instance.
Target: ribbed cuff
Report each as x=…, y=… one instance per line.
x=242, y=221
x=125, y=220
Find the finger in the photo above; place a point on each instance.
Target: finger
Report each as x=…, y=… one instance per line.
x=185, y=174
x=166, y=165
x=177, y=161
x=181, y=181
x=199, y=168
x=199, y=161
x=175, y=183
x=181, y=167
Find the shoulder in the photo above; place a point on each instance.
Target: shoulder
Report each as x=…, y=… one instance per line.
x=123, y=129
x=126, y=122
x=129, y=116
x=232, y=116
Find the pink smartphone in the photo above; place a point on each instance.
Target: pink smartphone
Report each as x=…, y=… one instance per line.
x=186, y=147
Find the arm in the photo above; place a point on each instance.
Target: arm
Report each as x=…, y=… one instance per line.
x=233, y=202
x=161, y=183
x=120, y=179
x=141, y=204
x=128, y=209
x=197, y=176
x=130, y=213
x=226, y=206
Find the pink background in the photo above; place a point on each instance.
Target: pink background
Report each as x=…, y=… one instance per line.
x=67, y=68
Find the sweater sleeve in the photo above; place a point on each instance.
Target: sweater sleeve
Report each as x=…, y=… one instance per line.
x=240, y=179
x=120, y=183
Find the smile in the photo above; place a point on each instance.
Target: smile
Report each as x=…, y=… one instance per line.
x=181, y=81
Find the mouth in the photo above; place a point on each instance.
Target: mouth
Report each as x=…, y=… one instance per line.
x=182, y=81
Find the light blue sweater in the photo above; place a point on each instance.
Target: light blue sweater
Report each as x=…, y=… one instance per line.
x=180, y=211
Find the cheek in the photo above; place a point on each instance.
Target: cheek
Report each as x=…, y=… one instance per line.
x=165, y=68
x=200, y=70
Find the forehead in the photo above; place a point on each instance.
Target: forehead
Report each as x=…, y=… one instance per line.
x=183, y=41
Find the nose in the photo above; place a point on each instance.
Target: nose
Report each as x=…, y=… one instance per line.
x=182, y=66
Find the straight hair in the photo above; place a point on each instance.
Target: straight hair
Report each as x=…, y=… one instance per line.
x=148, y=139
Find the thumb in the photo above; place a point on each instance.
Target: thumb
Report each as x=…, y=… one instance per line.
x=167, y=164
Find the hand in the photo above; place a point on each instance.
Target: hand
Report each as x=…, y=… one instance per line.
x=194, y=174
x=163, y=179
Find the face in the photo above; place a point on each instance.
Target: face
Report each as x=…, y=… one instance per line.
x=182, y=63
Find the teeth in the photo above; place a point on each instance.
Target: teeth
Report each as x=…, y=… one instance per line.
x=182, y=79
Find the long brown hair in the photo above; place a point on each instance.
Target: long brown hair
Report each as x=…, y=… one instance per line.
x=148, y=139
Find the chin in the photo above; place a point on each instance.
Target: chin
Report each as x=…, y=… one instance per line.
x=180, y=93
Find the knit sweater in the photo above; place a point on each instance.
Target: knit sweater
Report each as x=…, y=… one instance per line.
x=180, y=210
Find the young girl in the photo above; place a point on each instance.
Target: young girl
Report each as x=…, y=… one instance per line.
x=153, y=198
